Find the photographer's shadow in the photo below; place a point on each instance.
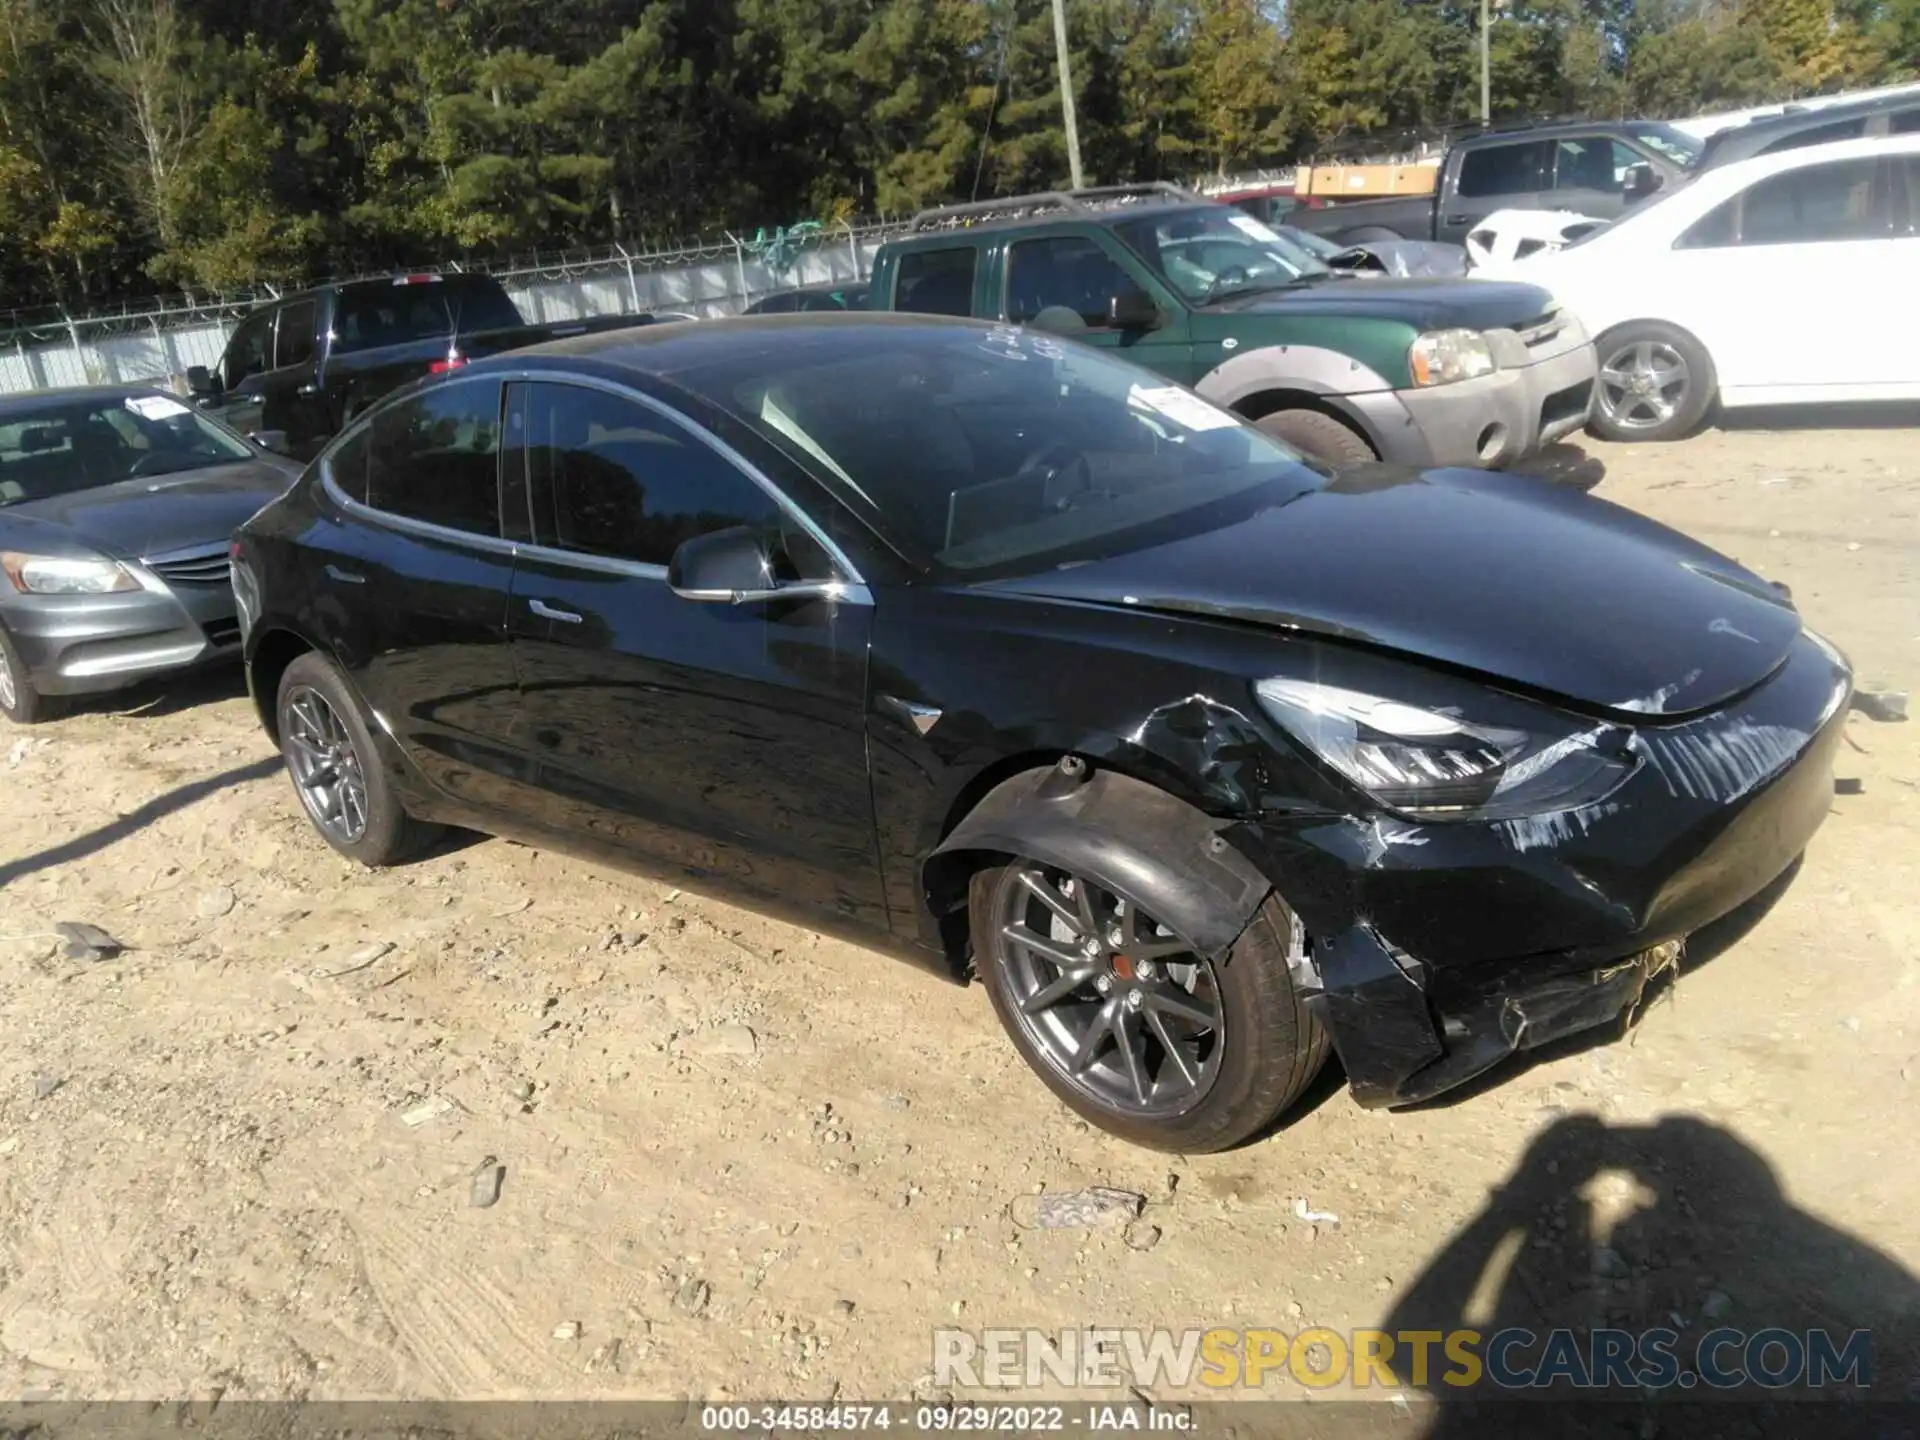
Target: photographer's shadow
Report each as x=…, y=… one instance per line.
x=1677, y=1225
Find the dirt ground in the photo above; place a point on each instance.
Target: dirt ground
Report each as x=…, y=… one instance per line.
x=740, y=1160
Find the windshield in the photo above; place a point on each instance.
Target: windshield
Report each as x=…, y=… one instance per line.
x=1002, y=450
x=64, y=446
x=1208, y=254
x=1675, y=145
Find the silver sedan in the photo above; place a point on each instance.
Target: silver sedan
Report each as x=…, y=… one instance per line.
x=116, y=512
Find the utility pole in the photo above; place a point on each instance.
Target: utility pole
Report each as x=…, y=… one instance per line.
x=1486, y=64
x=1066, y=90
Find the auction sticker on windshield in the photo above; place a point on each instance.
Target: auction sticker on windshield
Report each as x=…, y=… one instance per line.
x=155, y=407
x=1189, y=412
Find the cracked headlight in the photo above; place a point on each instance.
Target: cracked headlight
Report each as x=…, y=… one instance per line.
x=1441, y=357
x=65, y=575
x=1439, y=765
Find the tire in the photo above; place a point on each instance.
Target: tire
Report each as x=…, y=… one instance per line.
x=19, y=701
x=317, y=715
x=1266, y=1050
x=1639, y=355
x=1318, y=435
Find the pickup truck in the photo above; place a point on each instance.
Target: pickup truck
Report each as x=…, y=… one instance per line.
x=1420, y=371
x=298, y=369
x=1598, y=168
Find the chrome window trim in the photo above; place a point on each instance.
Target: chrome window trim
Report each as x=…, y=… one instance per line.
x=855, y=590
x=849, y=573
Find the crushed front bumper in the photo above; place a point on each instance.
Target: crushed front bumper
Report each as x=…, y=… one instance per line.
x=1441, y=948
x=1542, y=392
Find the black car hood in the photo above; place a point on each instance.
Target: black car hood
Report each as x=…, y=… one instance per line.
x=1507, y=576
x=158, y=514
x=1431, y=302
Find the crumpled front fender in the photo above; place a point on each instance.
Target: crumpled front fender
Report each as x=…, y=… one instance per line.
x=1154, y=851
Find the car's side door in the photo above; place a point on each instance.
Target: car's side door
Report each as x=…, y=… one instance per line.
x=1786, y=283
x=290, y=397
x=246, y=360
x=1508, y=175
x=413, y=581
x=727, y=739
x=1075, y=284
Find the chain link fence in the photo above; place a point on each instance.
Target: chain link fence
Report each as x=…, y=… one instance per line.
x=156, y=343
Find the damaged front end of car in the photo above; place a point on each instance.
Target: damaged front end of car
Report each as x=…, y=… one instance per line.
x=1470, y=915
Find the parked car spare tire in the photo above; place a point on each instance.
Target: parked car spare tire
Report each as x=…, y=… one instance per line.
x=1131, y=1026
x=336, y=770
x=1317, y=434
x=1656, y=382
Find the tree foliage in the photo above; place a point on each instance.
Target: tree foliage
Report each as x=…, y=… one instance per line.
x=219, y=144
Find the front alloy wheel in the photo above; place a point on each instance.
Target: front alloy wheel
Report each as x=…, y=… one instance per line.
x=1131, y=1025
x=1122, y=1009
x=1655, y=383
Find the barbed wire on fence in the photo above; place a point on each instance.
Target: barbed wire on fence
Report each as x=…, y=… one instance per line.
x=158, y=339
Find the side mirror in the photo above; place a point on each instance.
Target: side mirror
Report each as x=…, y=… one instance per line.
x=733, y=567
x=274, y=440
x=202, y=382
x=1642, y=181
x=1133, y=310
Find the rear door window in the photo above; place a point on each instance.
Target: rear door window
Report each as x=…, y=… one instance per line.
x=436, y=458
x=935, y=282
x=1516, y=169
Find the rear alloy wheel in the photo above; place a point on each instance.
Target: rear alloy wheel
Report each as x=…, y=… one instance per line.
x=1128, y=1024
x=1318, y=436
x=19, y=701
x=1656, y=382
x=336, y=770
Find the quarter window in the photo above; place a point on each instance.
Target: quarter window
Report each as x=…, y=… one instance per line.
x=1066, y=272
x=346, y=464
x=1505, y=169
x=935, y=282
x=437, y=458
x=612, y=477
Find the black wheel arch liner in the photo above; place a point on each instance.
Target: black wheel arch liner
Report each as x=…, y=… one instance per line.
x=1150, y=848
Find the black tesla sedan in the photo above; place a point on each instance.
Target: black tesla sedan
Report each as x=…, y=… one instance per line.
x=117, y=507
x=1002, y=652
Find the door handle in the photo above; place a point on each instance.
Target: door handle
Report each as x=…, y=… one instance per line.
x=345, y=577
x=547, y=612
x=308, y=389
x=1459, y=220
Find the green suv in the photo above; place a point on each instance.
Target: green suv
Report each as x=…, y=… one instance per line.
x=1422, y=371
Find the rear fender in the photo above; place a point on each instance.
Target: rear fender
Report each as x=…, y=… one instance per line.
x=1152, y=850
